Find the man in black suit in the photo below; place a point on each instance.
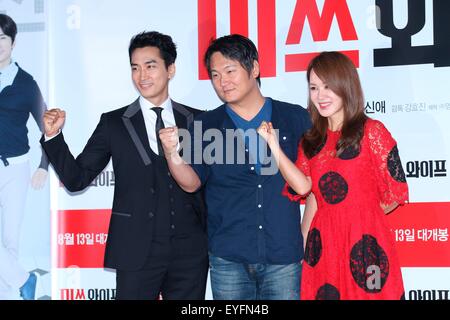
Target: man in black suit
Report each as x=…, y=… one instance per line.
x=157, y=239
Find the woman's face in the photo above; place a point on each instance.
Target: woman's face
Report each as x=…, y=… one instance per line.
x=327, y=103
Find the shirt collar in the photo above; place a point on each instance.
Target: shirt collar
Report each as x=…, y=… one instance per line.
x=147, y=105
x=12, y=68
x=8, y=74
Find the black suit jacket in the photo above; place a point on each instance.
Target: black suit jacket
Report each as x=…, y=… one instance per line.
x=121, y=136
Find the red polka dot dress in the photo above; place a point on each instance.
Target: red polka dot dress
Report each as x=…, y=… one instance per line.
x=350, y=250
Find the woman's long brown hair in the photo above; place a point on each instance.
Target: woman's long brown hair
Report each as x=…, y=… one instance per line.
x=341, y=76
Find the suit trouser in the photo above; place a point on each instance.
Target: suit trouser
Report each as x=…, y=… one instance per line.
x=14, y=180
x=176, y=268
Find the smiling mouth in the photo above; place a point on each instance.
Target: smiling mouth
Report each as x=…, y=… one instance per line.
x=324, y=105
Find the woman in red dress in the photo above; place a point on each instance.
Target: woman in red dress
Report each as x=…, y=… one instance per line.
x=351, y=164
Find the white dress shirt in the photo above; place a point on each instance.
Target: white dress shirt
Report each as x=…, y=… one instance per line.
x=150, y=119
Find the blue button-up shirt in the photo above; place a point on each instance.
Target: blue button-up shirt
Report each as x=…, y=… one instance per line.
x=249, y=221
x=252, y=145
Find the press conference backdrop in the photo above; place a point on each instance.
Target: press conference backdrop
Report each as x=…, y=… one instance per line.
x=401, y=49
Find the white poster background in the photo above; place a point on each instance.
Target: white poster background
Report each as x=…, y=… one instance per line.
x=90, y=74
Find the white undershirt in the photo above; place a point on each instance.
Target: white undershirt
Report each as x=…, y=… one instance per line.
x=150, y=119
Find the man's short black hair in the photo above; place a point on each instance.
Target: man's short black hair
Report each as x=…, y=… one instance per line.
x=234, y=47
x=8, y=26
x=167, y=49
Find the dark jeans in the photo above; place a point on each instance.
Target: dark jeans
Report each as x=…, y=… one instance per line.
x=238, y=281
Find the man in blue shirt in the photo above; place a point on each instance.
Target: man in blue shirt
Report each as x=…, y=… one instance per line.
x=255, y=243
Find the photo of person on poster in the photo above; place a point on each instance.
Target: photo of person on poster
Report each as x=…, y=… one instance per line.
x=20, y=97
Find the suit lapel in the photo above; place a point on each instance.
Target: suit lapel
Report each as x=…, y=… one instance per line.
x=135, y=125
x=183, y=117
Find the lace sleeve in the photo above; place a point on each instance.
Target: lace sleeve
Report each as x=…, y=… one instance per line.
x=391, y=180
x=302, y=163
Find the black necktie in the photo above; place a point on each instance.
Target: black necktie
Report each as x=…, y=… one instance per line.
x=158, y=126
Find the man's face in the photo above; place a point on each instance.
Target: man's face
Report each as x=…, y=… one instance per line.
x=231, y=81
x=150, y=75
x=6, y=47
